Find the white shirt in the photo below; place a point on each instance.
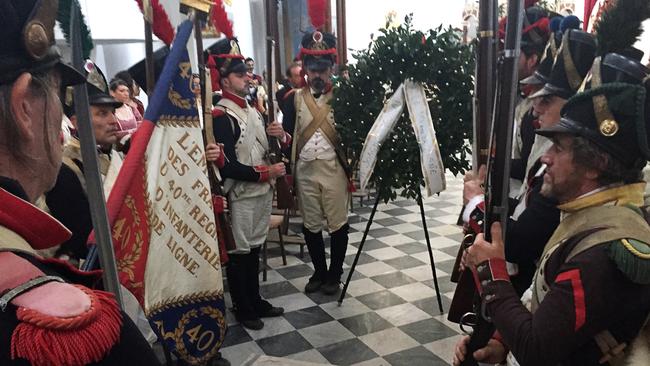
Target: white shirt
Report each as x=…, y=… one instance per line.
x=317, y=147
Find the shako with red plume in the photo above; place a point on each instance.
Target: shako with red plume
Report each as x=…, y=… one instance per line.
x=318, y=48
x=223, y=57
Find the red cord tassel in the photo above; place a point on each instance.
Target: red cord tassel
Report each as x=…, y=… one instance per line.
x=45, y=340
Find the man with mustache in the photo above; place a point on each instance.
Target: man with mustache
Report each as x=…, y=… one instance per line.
x=535, y=217
x=591, y=290
x=67, y=201
x=49, y=313
x=320, y=168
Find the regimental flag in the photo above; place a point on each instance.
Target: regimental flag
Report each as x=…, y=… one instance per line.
x=162, y=220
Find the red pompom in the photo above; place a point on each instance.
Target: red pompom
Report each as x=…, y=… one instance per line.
x=317, y=12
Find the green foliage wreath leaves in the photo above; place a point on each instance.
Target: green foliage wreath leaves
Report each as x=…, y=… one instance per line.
x=445, y=66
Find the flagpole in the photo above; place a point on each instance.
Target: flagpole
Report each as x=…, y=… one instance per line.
x=94, y=188
x=341, y=30
x=147, y=14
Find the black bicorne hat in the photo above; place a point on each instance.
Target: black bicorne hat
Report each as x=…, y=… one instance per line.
x=535, y=28
x=611, y=110
x=98, y=93
x=318, y=51
x=543, y=71
x=139, y=70
x=572, y=62
x=27, y=27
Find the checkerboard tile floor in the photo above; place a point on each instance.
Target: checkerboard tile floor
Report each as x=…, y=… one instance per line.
x=390, y=315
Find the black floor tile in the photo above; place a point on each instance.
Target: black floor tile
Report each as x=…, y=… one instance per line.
x=444, y=284
x=355, y=276
x=428, y=330
x=430, y=223
x=363, y=324
x=356, y=219
x=418, y=356
x=446, y=266
x=277, y=289
x=236, y=335
x=397, y=212
x=452, y=251
x=416, y=235
x=371, y=244
x=380, y=300
x=457, y=237
x=381, y=232
x=430, y=305
x=363, y=258
x=347, y=352
x=284, y=344
x=404, y=203
x=393, y=279
x=291, y=272
x=404, y=262
x=389, y=221
x=411, y=248
x=307, y=317
x=320, y=298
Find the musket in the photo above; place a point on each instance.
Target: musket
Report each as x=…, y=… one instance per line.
x=222, y=219
x=283, y=189
x=498, y=173
x=483, y=100
x=94, y=187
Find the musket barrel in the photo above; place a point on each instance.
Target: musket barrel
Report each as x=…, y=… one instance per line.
x=94, y=186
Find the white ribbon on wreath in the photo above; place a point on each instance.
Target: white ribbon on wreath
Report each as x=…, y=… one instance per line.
x=412, y=94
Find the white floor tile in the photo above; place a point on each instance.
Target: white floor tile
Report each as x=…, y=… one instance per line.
x=349, y=307
x=363, y=286
x=413, y=291
x=388, y=341
x=402, y=314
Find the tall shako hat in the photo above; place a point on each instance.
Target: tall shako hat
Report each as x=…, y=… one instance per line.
x=557, y=26
x=28, y=42
x=223, y=57
x=535, y=27
x=611, y=108
x=318, y=48
x=572, y=62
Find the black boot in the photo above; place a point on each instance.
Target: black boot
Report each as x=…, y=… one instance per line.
x=236, y=270
x=316, y=248
x=338, y=247
x=263, y=308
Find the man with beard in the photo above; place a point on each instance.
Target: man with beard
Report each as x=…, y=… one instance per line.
x=68, y=201
x=319, y=165
x=248, y=180
x=535, y=217
x=49, y=315
x=591, y=291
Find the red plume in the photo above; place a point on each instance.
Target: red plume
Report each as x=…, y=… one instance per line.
x=220, y=19
x=161, y=26
x=317, y=12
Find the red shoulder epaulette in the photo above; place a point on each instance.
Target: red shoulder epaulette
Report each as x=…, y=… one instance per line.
x=217, y=112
